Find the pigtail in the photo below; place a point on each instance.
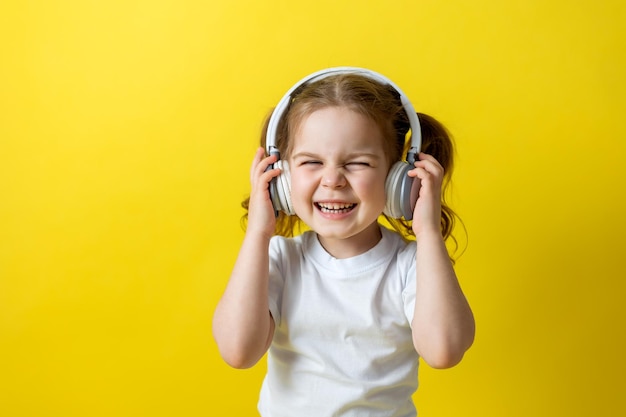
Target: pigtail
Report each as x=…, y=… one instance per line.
x=437, y=141
x=287, y=226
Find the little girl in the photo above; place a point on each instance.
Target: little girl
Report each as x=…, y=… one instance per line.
x=346, y=308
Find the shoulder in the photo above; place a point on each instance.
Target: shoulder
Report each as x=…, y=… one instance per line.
x=402, y=247
x=289, y=243
x=403, y=255
x=292, y=248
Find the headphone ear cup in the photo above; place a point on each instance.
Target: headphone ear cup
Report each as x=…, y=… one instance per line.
x=402, y=192
x=280, y=189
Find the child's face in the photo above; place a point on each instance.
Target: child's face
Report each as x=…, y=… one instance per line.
x=338, y=170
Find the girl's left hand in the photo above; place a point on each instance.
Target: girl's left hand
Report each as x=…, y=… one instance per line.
x=427, y=213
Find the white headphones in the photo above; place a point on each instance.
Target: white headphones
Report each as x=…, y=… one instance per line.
x=401, y=190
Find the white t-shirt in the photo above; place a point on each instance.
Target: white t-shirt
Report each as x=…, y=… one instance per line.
x=342, y=343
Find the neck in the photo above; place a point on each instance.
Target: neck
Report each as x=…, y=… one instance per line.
x=342, y=248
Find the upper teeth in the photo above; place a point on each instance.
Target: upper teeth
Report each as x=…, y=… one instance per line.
x=335, y=206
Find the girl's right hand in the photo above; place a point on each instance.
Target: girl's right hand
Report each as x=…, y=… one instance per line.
x=261, y=217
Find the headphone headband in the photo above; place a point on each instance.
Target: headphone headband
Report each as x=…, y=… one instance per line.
x=283, y=104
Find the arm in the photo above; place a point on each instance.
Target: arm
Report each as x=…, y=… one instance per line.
x=443, y=323
x=242, y=325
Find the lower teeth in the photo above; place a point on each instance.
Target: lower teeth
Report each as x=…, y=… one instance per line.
x=328, y=210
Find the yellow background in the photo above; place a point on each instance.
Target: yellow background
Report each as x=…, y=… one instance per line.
x=126, y=133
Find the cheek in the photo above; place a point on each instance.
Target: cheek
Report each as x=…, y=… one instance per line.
x=372, y=188
x=374, y=181
x=301, y=185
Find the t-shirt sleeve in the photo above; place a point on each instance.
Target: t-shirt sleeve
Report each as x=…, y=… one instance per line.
x=406, y=265
x=276, y=277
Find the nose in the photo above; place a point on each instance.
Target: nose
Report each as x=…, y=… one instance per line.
x=333, y=178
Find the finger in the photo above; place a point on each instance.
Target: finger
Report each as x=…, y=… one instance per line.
x=258, y=156
x=267, y=175
x=260, y=165
x=262, y=181
x=425, y=156
x=420, y=172
x=428, y=159
x=430, y=164
x=430, y=177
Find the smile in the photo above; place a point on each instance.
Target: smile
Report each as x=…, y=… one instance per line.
x=335, y=207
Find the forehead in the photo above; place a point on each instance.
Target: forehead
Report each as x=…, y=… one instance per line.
x=336, y=128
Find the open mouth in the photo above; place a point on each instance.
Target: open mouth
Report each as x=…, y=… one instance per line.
x=335, y=208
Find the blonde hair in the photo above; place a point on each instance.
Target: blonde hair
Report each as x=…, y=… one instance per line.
x=380, y=103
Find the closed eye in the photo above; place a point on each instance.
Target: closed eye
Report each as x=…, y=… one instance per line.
x=358, y=165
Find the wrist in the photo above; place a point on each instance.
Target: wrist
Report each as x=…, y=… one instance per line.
x=260, y=235
x=425, y=233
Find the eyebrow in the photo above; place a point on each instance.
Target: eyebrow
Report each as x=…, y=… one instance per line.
x=351, y=155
